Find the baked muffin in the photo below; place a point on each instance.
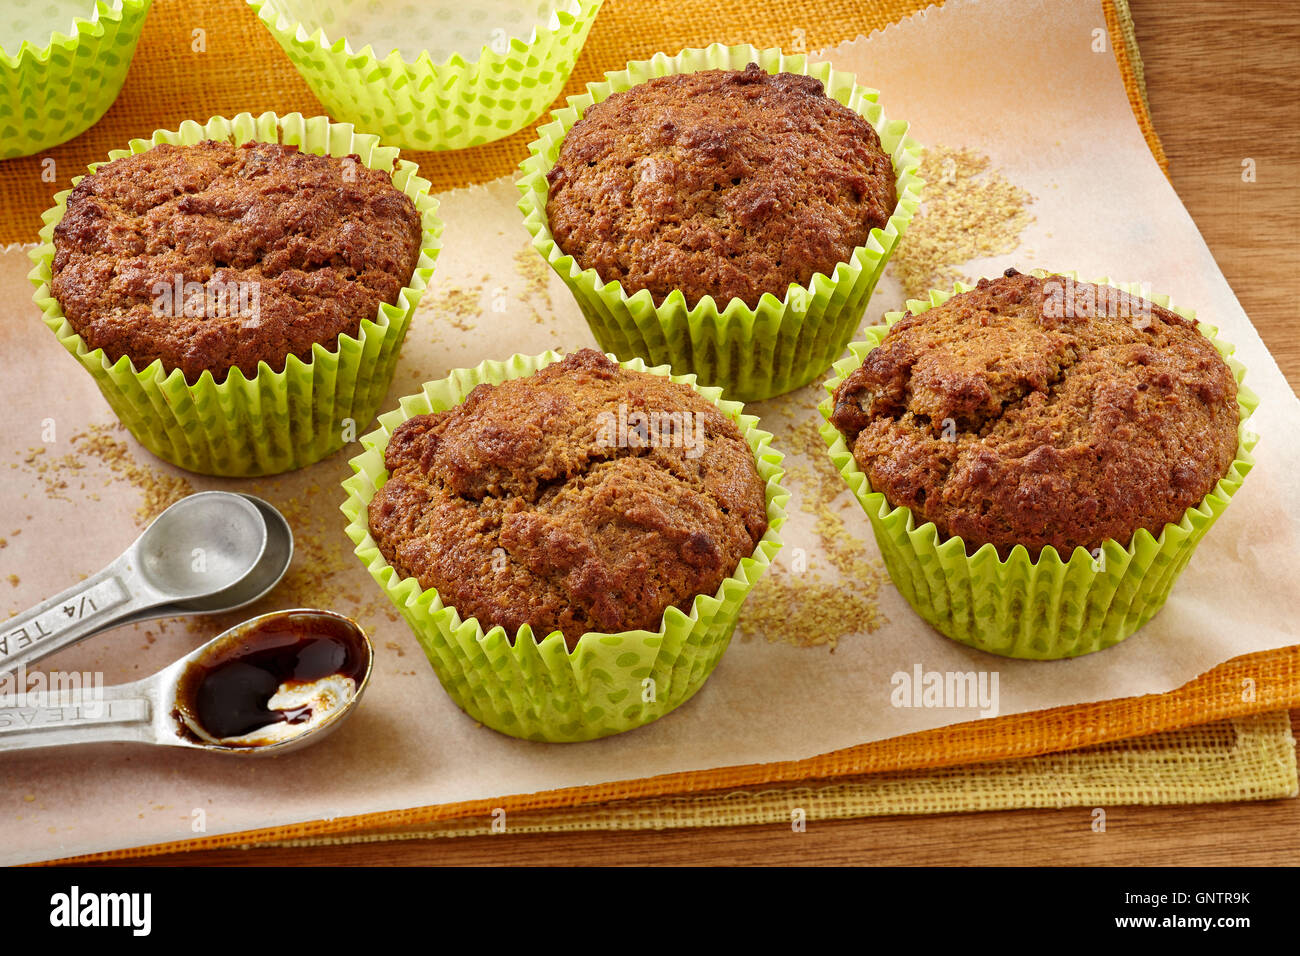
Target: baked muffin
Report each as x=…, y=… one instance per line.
x=725, y=183
x=585, y=497
x=1042, y=412
x=215, y=256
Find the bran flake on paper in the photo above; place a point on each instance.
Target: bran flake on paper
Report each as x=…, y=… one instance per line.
x=810, y=608
x=535, y=271
x=101, y=445
x=969, y=210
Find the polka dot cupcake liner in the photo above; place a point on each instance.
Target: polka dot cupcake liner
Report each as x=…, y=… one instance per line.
x=274, y=421
x=58, y=86
x=466, y=99
x=1057, y=605
x=754, y=353
x=538, y=689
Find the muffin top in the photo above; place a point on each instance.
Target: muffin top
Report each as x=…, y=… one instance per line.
x=1042, y=412
x=216, y=256
x=724, y=183
x=585, y=497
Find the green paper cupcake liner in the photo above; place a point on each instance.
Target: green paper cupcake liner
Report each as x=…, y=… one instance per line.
x=538, y=690
x=274, y=421
x=454, y=104
x=51, y=93
x=754, y=353
x=1055, y=606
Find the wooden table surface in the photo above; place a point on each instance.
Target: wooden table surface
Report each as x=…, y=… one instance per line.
x=1223, y=86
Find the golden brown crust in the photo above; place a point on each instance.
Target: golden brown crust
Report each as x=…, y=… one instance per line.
x=1042, y=412
x=525, y=505
x=312, y=243
x=724, y=183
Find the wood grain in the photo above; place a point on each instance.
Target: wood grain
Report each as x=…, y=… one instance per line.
x=1243, y=834
x=1223, y=87
x=1222, y=83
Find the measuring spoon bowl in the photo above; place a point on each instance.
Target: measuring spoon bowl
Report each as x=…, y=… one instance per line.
x=256, y=584
x=173, y=708
x=201, y=546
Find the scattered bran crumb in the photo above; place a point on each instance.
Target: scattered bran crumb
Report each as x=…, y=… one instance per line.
x=461, y=306
x=968, y=211
x=53, y=472
x=100, y=443
x=534, y=270
x=796, y=602
x=158, y=489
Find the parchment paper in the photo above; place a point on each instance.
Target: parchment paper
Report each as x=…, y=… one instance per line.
x=1019, y=81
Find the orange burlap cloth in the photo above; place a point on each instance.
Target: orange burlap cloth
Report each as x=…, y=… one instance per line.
x=1242, y=758
x=244, y=69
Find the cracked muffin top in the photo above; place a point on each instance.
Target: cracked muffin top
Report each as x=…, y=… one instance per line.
x=725, y=183
x=1042, y=412
x=584, y=497
x=215, y=256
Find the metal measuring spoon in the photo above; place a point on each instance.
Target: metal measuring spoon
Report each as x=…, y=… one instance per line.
x=265, y=575
x=198, y=556
x=186, y=703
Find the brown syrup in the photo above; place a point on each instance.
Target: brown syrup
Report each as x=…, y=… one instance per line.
x=227, y=693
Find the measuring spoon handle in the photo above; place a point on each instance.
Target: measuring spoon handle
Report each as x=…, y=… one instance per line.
x=57, y=718
x=73, y=615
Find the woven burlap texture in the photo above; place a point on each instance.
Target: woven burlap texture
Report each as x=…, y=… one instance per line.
x=1246, y=758
x=1242, y=758
x=213, y=58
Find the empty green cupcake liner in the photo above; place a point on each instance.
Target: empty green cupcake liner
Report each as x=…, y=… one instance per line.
x=538, y=690
x=425, y=105
x=274, y=421
x=754, y=353
x=50, y=94
x=1055, y=606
